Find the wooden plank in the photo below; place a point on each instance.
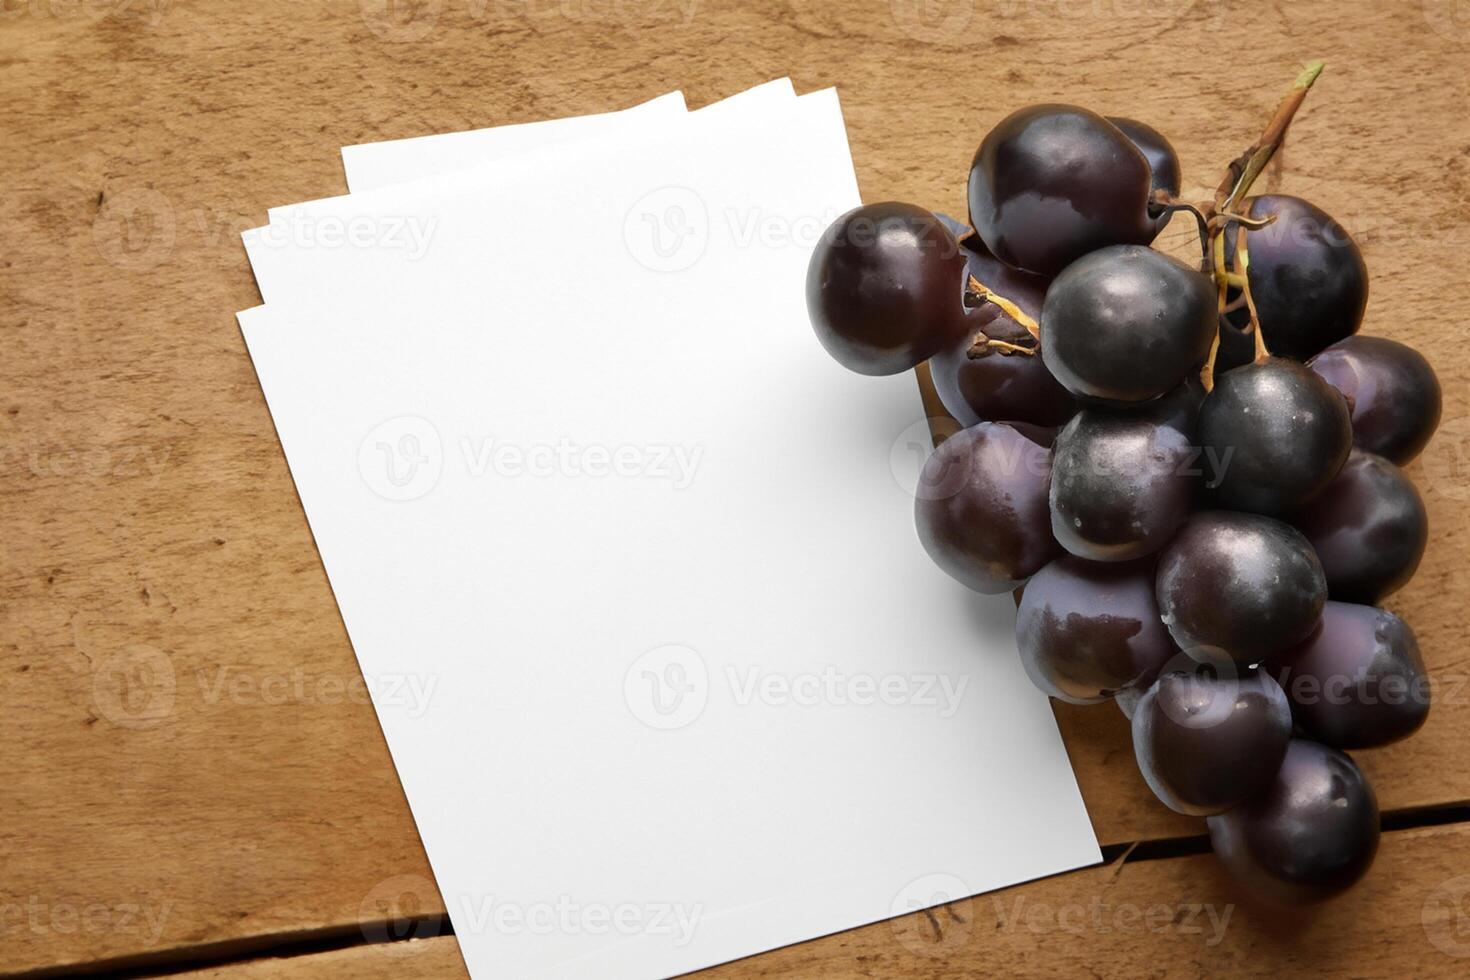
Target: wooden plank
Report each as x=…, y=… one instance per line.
x=1176, y=917
x=191, y=757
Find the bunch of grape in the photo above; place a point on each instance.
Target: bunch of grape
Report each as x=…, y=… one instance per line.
x=1196, y=524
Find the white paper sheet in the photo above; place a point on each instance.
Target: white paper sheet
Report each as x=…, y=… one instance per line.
x=431, y=169
x=373, y=165
x=581, y=471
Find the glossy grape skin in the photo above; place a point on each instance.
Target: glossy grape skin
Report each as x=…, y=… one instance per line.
x=1369, y=529
x=1122, y=483
x=1392, y=393
x=1241, y=585
x=1307, y=275
x=1087, y=630
x=981, y=506
x=1286, y=431
x=1205, y=742
x=1358, y=681
x=1163, y=162
x=1126, y=324
x=885, y=288
x=999, y=388
x=1310, y=835
x=1051, y=183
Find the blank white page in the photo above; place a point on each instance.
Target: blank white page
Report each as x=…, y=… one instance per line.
x=582, y=471
x=334, y=223
x=373, y=165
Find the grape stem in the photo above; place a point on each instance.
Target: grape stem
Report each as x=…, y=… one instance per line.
x=1248, y=166
x=1224, y=212
x=1168, y=204
x=985, y=346
x=977, y=292
x=984, y=294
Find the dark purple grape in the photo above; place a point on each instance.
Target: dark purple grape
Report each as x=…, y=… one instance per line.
x=1121, y=484
x=1240, y=585
x=1087, y=631
x=1358, y=681
x=1310, y=835
x=1275, y=435
x=981, y=506
x=1307, y=277
x=1051, y=183
x=1126, y=324
x=1000, y=388
x=1163, y=162
x=1391, y=391
x=1369, y=529
x=1206, y=741
x=885, y=288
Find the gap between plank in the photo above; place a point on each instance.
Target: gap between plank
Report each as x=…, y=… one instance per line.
x=334, y=938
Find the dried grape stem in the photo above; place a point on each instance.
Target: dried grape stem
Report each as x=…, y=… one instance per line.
x=1248, y=166
x=985, y=294
x=985, y=346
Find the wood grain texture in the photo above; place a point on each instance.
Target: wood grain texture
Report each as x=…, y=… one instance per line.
x=1176, y=917
x=193, y=758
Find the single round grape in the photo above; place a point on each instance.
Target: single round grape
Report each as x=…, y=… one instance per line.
x=1163, y=162
x=1358, y=681
x=1126, y=324
x=1307, y=276
x=1000, y=388
x=1310, y=835
x=1247, y=585
x=1392, y=394
x=1369, y=529
x=981, y=506
x=1275, y=435
x=885, y=288
x=1088, y=630
x=1206, y=742
x=1051, y=183
x=1121, y=484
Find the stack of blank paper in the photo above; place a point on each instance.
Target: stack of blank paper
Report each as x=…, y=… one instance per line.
x=628, y=563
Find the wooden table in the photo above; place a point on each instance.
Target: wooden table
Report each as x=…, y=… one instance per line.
x=197, y=780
